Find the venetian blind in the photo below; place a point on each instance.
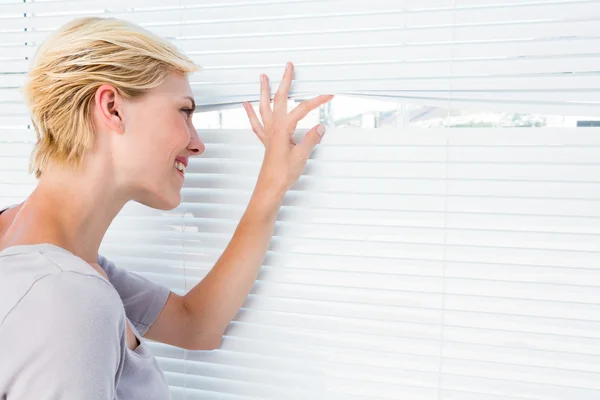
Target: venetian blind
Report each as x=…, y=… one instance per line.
x=436, y=264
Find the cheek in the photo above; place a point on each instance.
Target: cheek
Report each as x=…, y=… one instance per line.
x=159, y=137
x=152, y=146
x=167, y=128
x=178, y=134
x=171, y=138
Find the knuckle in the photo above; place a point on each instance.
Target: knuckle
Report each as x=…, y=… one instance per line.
x=303, y=156
x=290, y=125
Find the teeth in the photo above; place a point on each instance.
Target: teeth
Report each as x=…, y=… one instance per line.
x=179, y=165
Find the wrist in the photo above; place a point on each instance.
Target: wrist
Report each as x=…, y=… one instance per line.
x=266, y=199
x=270, y=185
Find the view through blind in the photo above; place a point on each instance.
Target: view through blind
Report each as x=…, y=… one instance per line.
x=421, y=264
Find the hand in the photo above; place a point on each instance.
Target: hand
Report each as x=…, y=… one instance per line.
x=284, y=160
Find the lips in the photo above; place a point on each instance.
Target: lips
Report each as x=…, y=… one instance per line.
x=183, y=160
x=180, y=165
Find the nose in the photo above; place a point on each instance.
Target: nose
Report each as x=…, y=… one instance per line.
x=196, y=147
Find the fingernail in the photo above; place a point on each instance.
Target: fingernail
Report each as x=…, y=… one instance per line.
x=287, y=65
x=262, y=78
x=321, y=129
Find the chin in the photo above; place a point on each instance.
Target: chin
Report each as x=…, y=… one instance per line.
x=161, y=203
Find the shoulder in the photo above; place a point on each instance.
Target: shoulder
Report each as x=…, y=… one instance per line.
x=68, y=317
x=56, y=283
x=142, y=298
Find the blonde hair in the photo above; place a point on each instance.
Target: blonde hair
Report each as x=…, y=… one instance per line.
x=69, y=67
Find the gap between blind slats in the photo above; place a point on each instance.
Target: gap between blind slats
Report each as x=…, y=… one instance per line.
x=210, y=100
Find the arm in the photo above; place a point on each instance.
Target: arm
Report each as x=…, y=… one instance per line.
x=198, y=320
x=218, y=297
x=214, y=301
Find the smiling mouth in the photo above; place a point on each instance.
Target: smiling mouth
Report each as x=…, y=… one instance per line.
x=180, y=173
x=180, y=166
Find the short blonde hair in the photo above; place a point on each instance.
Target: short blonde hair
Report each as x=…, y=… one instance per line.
x=69, y=67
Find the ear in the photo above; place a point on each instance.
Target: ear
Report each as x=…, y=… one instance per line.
x=108, y=107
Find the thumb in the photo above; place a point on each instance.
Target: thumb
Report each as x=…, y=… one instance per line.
x=311, y=139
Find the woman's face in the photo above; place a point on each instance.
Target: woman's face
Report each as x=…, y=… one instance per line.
x=157, y=129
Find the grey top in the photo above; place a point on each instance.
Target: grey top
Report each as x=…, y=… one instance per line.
x=63, y=332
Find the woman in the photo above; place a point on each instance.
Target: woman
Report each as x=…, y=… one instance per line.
x=112, y=108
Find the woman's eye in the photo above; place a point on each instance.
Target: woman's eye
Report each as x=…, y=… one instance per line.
x=188, y=111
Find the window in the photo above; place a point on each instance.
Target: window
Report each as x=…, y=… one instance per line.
x=411, y=260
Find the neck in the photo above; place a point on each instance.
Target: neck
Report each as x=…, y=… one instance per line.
x=70, y=209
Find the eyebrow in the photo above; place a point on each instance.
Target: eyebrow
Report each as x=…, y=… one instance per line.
x=193, y=102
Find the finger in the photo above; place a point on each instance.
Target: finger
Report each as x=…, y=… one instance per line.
x=307, y=106
x=281, y=96
x=265, y=99
x=254, y=122
x=310, y=140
